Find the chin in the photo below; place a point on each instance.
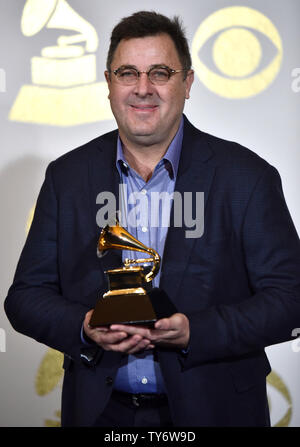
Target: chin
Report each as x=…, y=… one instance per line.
x=143, y=131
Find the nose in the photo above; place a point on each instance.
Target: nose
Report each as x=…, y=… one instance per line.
x=144, y=86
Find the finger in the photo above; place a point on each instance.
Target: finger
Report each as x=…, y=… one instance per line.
x=174, y=322
x=163, y=324
x=132, y=330
x=87, y=318
x=130, y=344
x=159, y=336
x=110, y=338
x=178, y=333
x=87, y=330
x=142, y=345
x=151, y=346
x=89, y=314
x=86, y=324
x=101, y=329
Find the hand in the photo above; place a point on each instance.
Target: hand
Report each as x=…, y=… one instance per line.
x=115, y=340
x=171, y=332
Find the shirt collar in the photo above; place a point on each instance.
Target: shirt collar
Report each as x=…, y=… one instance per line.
x=170, y=158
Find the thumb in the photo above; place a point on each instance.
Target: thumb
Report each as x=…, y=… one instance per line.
x=163, y=324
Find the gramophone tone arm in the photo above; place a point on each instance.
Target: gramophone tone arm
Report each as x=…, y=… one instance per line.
x=155, y=268
x=128, y=262
x=68, y=40
x=156, y=263
x=89, y=36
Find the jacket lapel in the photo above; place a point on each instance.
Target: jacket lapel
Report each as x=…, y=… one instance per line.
x=104, y=177
x=195, y=174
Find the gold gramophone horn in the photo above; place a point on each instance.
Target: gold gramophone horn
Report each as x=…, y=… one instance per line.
x=116, y=237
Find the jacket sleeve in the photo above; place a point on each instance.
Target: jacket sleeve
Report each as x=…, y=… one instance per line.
x=35, y=305
x=272, y=257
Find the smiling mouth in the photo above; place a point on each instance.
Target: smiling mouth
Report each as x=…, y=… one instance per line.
x=144, y=108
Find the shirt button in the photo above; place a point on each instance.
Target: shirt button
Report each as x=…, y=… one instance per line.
x=144, y=380
x=144, y=229
x=144, y=191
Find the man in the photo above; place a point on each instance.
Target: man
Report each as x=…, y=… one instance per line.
x=236, y=288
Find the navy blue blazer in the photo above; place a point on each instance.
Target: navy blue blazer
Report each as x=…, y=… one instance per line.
x=239, y=283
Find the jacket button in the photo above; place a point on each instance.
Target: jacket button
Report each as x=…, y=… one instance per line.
x=108, y=380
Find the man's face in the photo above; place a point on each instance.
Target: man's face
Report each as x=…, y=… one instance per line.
x=148, y=114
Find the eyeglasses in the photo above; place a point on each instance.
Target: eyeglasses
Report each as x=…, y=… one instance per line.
x=158, y=75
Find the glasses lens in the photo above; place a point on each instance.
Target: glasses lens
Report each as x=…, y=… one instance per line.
x=159, y=75
x=127, y=76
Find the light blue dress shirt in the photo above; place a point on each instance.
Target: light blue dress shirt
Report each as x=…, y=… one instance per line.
x=149, y=224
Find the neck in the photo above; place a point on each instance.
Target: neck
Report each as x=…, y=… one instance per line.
x=143, y=161
x=143, y=158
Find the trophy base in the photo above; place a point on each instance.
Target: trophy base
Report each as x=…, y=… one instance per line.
x=136, y=309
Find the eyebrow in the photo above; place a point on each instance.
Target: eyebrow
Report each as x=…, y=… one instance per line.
x=150, y=68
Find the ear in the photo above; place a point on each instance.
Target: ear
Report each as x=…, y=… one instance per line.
x=107, y=76
x=188, y=83
x=108, y=80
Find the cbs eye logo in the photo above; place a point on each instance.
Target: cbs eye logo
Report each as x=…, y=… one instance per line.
x=236, y=52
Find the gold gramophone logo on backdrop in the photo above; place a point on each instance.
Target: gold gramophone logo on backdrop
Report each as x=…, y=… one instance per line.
x=237, y=52
x=64, y=91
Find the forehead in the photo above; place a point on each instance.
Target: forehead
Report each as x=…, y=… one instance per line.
x=146, y=51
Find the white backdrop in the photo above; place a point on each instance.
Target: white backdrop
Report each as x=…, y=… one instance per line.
x=246, y=89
